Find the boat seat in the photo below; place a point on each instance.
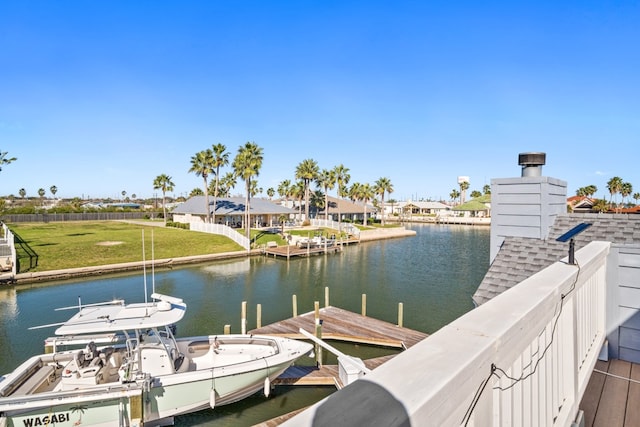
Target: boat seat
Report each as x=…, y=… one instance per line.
x=35, y=381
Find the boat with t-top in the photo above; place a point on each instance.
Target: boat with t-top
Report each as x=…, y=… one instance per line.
x=129, y=369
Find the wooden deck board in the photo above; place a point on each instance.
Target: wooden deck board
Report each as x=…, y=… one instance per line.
x=613, y=402
x=339, y=324
x=610, y=400
x=632, y=415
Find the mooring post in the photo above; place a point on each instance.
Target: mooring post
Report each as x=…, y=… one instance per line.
x=227, y=329
x=364, y=304
x=400, y=313
x=259, y=316
x=326, y=296
x=243, y=318
x=294, y=301
x=318, y=349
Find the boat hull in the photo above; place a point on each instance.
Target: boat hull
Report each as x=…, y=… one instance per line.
x=151, y=400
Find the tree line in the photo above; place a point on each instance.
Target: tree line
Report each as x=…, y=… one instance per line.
x=246, y=166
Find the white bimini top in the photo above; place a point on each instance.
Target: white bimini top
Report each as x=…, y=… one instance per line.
x=116, y=317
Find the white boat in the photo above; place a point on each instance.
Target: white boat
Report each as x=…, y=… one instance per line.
x=133, y=371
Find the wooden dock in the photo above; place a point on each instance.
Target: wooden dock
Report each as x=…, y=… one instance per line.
x=339, y=325
x=289, y=251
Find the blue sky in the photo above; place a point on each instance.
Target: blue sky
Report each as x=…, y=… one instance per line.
x=99, y=97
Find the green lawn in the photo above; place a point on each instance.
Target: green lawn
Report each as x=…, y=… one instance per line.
x=63, y=245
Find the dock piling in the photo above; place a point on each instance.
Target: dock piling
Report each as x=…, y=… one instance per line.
x=243, y=318
x=400, y=314
x=364, y=304
x=259, y=316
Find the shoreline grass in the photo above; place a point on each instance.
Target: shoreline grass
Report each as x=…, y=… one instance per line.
x=63, y=245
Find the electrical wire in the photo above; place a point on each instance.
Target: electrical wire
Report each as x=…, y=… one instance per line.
x=501, y=373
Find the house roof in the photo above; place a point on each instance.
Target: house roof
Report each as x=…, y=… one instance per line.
x=231, y=206
x=519, y=257
x=472, y=205
x=344, y=206
x=424, y=205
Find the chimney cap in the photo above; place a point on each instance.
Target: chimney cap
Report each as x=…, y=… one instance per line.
x=532, y=159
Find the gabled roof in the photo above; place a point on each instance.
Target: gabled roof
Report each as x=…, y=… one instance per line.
x=519, y=257
x=472, y=205
x=231, y=206
x=344, y=206
x=424, y=205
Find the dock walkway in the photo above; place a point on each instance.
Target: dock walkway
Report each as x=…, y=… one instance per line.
x=339, y=325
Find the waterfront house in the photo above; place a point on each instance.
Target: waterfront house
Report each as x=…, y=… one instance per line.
x=480, y=207
x=230, y=211
x=346, y=209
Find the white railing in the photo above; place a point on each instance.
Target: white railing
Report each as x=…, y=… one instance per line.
x=222, y=230
x=522, y=359
x=340, y=226
x=9, y=256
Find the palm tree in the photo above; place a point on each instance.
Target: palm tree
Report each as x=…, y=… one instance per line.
x=227, y=182
x=366, y=193
x=326, y=179
x=625, y=190
x=284, y=190
x=271, y=192
x=202, y=165
x=590, y=190
x=163, y=183
x=636, y=196
x=464, y=186
x=454, y=194
x=41, y=193
x=475, y=194
x=297, y=191
x=4, y=160
x=317, y=200
x=53, y=190
x=307, y=171
x=196, y=192
x=22, y=192
x=342, y=179
x=601, y=205
x=381, y=186
x=486, y=189
x=220, y=158
x=614, y=186
x=246, y=165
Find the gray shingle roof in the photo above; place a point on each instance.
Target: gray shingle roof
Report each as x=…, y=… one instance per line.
x=521, y=257
x=231, y=206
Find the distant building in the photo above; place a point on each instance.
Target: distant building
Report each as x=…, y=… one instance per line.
x=343, y=208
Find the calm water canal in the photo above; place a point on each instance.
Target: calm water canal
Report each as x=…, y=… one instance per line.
x=433, y=274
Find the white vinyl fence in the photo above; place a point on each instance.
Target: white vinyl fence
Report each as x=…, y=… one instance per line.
x=222, y=230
